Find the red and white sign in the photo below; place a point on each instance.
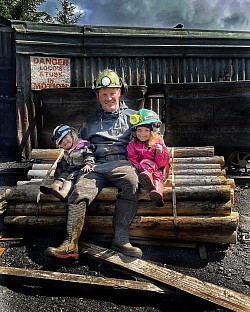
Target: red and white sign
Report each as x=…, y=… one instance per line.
x=49, y=72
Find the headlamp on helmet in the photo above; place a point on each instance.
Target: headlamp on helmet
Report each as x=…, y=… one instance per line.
x=145, y=117
x=134, y=119
x=107, y=79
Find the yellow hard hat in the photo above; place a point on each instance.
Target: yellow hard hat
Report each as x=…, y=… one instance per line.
x=108, y=79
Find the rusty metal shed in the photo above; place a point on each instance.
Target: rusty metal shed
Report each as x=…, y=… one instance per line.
x=141, y=56
x=8, y=138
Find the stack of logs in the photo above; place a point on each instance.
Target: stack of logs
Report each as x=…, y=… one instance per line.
x=198, y=201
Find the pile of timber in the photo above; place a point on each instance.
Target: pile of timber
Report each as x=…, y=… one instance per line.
x=198, y=201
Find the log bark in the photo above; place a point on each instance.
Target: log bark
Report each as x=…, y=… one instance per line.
x=177, y=166
x=183, y=223
x=58, y=223
x=41, y=166
x=32, y=182
x=207, y=192
x=202, y=180
x=183, y=180
x=199, y=160
x=44, y=155
x=39, y=174
x=32, y=209
x=195, y=166
x=197, y=172
x=179, y=181
x=200, y=151
x=184, y=208
x=205, y=236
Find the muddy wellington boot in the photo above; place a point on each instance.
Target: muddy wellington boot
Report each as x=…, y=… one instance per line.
x=157, y=194
x=59, y=188
x=124, y=213
x=146, y=180
x=75, y=221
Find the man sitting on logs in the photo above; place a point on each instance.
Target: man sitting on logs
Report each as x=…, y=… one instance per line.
x=108, y=128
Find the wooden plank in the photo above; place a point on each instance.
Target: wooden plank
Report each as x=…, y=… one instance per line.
x=219, y=295
x=70, y=280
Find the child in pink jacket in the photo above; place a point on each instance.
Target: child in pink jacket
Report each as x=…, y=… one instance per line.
x=148, y=153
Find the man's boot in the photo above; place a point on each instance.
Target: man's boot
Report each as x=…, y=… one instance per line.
x=123, y=216
x=146, y=180
x=59, y=188
x=157, y=194
x=75, y=221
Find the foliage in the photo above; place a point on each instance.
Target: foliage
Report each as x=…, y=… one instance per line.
x=24, y=10
x=67, y=13
x=27, y=10
x=4, y=11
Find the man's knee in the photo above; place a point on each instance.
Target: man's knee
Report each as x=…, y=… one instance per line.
x=84, y=190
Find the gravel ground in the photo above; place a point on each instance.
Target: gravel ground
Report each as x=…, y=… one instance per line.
x=227, y=266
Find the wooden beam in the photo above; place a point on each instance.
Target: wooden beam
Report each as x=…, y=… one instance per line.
x=45, y=277
x=184, y=223
x=98, y=208
x=38, y=174
x=219, y=295
x=200, y=151
x=200, y=193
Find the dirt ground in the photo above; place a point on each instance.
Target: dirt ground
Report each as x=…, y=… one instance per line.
x=227, y=266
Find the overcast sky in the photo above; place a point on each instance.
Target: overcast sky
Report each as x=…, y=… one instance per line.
x=195, y=14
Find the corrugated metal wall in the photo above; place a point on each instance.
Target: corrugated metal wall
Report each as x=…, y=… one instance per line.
x=69, y=106
x=141, y=56
x=8, y=130
x=216, y=114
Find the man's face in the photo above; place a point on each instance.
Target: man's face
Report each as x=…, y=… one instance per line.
x=109, y=99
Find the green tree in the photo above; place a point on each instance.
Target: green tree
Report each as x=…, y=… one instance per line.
x=24, y=10
x=4, y=9
x=67, y=15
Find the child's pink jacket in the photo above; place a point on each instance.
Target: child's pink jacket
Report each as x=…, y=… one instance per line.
x=138, y=151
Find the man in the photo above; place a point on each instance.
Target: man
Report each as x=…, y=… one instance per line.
x=109, y=130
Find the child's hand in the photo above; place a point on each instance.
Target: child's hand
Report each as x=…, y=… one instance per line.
x=87, y=168
x=158, y=148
